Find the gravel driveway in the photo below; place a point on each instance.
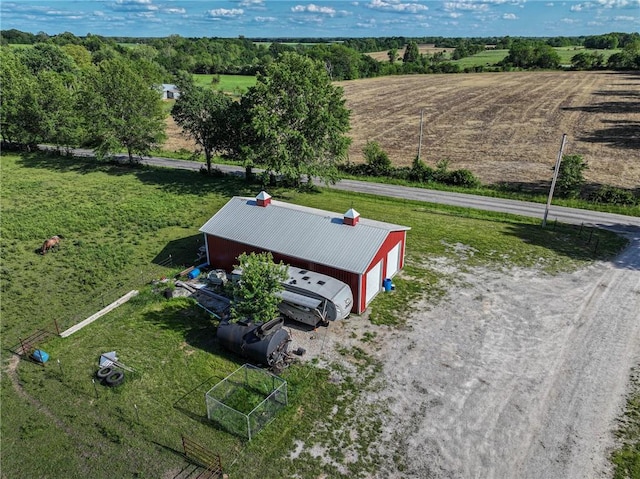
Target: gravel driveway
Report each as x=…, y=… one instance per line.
x=515, y=374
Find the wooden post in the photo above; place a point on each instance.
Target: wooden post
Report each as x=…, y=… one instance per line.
x=553, y=181
x=420, y=140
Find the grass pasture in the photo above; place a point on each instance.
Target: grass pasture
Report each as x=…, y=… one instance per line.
x=119, y=223
x=233, y=84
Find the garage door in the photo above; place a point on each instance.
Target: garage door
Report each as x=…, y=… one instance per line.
x=374, y=282
x=393, y=260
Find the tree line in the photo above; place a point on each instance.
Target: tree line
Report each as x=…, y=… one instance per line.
x=344, y=59
x=292, y=123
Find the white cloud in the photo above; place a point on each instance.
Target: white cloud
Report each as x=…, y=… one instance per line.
x=224, y=12
x=455, y=15
x=177, y=11
x=550, y=4
x=624, y=18
x=251, y=3
x=569, y=21
x=397, y=6
x=312, y=8
x=265, y=19
x=134, y=5
x=466, y=5
x=509, y=16
x=607, y=4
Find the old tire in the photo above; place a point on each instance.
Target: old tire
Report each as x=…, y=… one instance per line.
x=104, y=372
x=116, y=378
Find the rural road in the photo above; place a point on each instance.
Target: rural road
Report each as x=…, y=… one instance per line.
x=614, y=222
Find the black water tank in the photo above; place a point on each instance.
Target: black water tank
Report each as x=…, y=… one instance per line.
x=260, y=343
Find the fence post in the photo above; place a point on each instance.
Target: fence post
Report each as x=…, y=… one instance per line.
x=590, y=235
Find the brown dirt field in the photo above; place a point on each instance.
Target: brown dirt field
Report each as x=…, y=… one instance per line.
x=504, y=126
x=176, y=140
x=501, y=126
x=424, y=49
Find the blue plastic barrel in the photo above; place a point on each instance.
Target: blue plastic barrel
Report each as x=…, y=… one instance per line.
x=194, y=273
x=40, y=356
x=387, y=284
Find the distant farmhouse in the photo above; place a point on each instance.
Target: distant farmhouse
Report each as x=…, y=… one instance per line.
x=170, y=92
x=358, y=251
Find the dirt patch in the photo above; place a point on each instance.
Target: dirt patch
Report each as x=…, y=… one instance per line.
x=516, y=374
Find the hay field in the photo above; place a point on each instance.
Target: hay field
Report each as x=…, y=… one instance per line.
x=504, y=126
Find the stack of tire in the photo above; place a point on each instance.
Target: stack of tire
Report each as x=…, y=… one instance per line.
x=110, y=376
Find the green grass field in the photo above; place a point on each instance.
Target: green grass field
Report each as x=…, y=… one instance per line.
x=118, y=224
x=492, y=57
x=234, y=84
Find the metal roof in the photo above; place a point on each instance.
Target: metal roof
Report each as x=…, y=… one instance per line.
x=301, y=232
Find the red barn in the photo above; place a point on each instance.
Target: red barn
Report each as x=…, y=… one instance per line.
x=355, y=250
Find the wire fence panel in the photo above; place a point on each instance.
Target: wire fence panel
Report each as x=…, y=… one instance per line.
x=246, y=401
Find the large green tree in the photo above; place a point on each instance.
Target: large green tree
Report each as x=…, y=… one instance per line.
x=299, y=120
x=123, y=108
x=411, y=52
x=255, y=295
x=16, y=100
x=203, y=113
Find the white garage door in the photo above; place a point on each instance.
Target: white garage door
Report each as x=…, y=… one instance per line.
x=393, y=260
x=374, y=282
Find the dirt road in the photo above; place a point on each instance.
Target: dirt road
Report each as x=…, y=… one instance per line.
x=515, y=375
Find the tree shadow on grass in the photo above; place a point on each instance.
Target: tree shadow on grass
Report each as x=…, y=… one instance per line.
x=577, y=242
x=172, y=180
x=183, y=252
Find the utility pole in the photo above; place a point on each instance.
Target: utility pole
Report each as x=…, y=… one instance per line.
x=556, y=170
x=420, y=141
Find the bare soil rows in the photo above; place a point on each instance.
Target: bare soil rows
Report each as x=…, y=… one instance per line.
x=504, y=126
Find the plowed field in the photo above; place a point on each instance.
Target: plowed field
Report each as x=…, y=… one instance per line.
x=501, y=126
x=504, y=126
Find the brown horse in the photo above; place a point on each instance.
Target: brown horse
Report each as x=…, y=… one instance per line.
x=51, y=243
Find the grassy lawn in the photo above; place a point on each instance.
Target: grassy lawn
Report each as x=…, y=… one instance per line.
x=491, y=57
x=235, y=84
x=485, y=58
x=118, y=225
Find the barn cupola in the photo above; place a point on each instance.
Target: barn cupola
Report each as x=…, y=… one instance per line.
x=351, y=217
x=263, y=199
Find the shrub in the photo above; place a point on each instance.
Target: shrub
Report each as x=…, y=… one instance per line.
x=377, y=159
x=463, y=178
x=613, y=196
x=571, y=176
x=421, y=172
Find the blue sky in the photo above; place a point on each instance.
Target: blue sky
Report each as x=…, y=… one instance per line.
x=335, y=18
